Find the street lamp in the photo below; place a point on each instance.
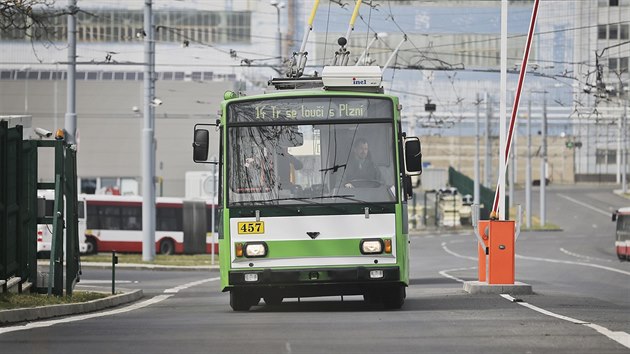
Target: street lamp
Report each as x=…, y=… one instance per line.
x=278, y=6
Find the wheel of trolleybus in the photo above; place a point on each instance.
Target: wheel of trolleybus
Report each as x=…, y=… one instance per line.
x=273, y=300
x=392, y=297
x=241, y=300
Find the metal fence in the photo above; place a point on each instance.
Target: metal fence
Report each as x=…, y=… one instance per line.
x=465, y=185
x=18, y=211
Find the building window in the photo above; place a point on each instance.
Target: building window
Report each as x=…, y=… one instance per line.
x=612, y=64
x=606, y=157
x=624, y=31
x=114, y=25
x=613, y=2
x=623, y=65
x=601, y=32
x=612, y=32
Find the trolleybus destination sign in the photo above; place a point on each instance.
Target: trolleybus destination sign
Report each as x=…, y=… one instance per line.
x=312, y=108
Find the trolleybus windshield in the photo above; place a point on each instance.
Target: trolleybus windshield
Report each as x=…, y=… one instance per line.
x=311, y=151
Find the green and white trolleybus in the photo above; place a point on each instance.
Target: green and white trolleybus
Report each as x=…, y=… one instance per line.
x=313, y=191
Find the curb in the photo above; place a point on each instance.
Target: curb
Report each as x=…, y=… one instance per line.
x=518, y=288
x=44, y=312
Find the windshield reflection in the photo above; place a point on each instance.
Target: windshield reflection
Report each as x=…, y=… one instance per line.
x=311, y=164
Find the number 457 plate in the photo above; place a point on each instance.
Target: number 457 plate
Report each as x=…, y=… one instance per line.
x=251, y=227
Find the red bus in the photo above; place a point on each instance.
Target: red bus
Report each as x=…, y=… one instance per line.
x=114, y=223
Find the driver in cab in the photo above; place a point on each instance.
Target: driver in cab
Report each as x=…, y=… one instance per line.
x=360, y=167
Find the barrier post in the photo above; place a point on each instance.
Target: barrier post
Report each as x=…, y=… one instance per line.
x=501, y=252
x=483, y=230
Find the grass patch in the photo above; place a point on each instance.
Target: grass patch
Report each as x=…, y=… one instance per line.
x=160, y=259
x=10, y=301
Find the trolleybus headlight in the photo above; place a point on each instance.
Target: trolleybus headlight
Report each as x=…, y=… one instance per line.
x=371, y=246
x=255, y=249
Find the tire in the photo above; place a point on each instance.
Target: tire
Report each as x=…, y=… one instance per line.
x=241, y=301
x=372, y=297
x=273, y=300
x=394, y=297
x=91, y=246
x=167, y=247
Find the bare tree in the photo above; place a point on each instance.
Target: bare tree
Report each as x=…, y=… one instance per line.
x=30, y=19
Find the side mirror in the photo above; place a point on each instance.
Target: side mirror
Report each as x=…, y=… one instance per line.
x=614, y=216
x=200, y=145
x=413, y=156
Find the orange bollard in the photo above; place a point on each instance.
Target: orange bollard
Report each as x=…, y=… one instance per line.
x=501, y=252
x=482, y=226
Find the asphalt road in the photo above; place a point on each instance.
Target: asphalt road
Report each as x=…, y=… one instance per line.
x=581, y=305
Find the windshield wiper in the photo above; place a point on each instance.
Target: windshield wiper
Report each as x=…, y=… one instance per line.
x=333, y=168
x=350, y=198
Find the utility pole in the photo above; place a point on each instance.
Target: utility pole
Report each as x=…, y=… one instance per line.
x=487, y=173
x=624, y=150
x=502, y=117
x=543, y=163
x=476, y=186
x=278, y=6
x=148, y=147
x=70, y=121
x=513, y=164
x=528, y=169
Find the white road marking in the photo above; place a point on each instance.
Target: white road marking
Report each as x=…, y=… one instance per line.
x=620, y=337
x=32, y=325
x=610, y=269
x=583, y=256
x=456, y=254
x=94, y=282
x=607, y=213
x=152, y=301
x=445, y=272
x=287, y=346
x=175, y=290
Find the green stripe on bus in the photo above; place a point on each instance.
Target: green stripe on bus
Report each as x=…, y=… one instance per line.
x=314, y=248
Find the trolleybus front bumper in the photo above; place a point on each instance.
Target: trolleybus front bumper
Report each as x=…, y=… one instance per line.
x=287, y=277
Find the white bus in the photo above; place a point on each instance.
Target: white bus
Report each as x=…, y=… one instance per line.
x=44, y=231
x=114, y=223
